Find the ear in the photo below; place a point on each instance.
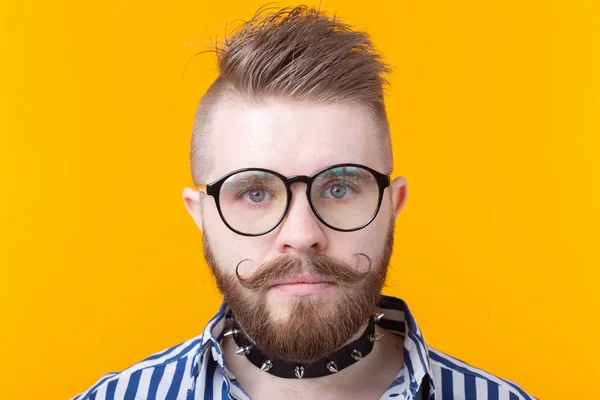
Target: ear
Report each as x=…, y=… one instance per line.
x=399, y=189
x=191, y=199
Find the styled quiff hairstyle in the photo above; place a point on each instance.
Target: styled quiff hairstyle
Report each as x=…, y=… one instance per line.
x=297, y=54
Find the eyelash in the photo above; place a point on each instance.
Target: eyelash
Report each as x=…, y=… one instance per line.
x=341, y=183
x=251, y=204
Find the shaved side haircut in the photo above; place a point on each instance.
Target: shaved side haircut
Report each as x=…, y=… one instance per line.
x=294, y=54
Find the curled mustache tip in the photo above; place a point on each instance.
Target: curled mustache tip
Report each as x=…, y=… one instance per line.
x=236, y=268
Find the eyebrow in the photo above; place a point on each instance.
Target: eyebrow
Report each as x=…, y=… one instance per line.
x=248, y=178
x=258, y=175
x=345, y=171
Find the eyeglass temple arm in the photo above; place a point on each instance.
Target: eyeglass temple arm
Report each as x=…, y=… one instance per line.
x=202, y=188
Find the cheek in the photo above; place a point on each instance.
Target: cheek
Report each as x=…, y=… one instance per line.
x=220, y=238
x=386, y=209
x=229, y=248
x=373, y=236
x=368, y=240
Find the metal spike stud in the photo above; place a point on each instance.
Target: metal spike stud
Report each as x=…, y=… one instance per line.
x=299, y=371
x=231, y=333
x=243, y=350
x=357, y=355
x=375, y=337
x=378, y=317
x=267, y=365
x=332, y=367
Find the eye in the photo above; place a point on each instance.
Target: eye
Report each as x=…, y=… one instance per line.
x=337, y=191
x=256, y=195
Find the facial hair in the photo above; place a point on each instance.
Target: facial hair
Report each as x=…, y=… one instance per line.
x=313, y=328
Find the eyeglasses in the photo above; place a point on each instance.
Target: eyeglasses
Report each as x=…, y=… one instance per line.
x=254, y=201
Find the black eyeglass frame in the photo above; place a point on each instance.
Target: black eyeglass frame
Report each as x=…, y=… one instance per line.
x=214, y=189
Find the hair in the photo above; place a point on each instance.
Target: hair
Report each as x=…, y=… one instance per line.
x=297, y=54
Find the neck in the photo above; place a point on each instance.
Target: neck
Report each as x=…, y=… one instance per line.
x=386, y=357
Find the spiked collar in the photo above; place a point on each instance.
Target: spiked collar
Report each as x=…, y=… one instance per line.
x=330, y=364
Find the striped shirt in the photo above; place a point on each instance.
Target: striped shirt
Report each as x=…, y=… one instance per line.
x=195, y=369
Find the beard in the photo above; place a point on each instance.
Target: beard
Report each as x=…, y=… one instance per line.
x=314, y=327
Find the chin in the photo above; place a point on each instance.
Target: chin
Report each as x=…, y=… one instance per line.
x=280, y=307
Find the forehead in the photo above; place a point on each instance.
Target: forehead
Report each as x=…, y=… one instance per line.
x=293, y=138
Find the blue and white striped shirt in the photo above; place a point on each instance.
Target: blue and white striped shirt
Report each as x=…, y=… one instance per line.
x=195, y=369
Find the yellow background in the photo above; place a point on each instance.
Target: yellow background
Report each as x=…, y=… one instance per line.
x=495, y=113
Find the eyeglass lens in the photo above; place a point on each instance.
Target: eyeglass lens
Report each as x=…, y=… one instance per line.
x=254, y=201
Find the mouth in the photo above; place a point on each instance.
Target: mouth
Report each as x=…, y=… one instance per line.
x=302, y=285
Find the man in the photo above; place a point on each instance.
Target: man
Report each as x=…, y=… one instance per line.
x=291, y=155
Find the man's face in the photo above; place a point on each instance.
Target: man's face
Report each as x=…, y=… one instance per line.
x=294, y=138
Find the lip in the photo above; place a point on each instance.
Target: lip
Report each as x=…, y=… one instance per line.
x=301, y=286
x=309, y=279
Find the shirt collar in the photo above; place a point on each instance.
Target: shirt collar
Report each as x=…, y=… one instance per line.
x=397, y=319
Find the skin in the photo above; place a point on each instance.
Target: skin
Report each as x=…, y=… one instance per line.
x=296, y=138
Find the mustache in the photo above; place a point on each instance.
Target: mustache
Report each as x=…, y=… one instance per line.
x=289, y=265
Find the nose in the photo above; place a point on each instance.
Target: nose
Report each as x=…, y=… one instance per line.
x=300, y=231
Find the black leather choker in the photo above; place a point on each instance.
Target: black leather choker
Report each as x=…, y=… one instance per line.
x=330, y=364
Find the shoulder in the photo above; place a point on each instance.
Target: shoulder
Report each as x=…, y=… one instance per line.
x=452, y=375
x=166, y=371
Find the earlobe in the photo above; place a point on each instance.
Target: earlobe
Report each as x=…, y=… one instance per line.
x=191, y=200
x=399, y=194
